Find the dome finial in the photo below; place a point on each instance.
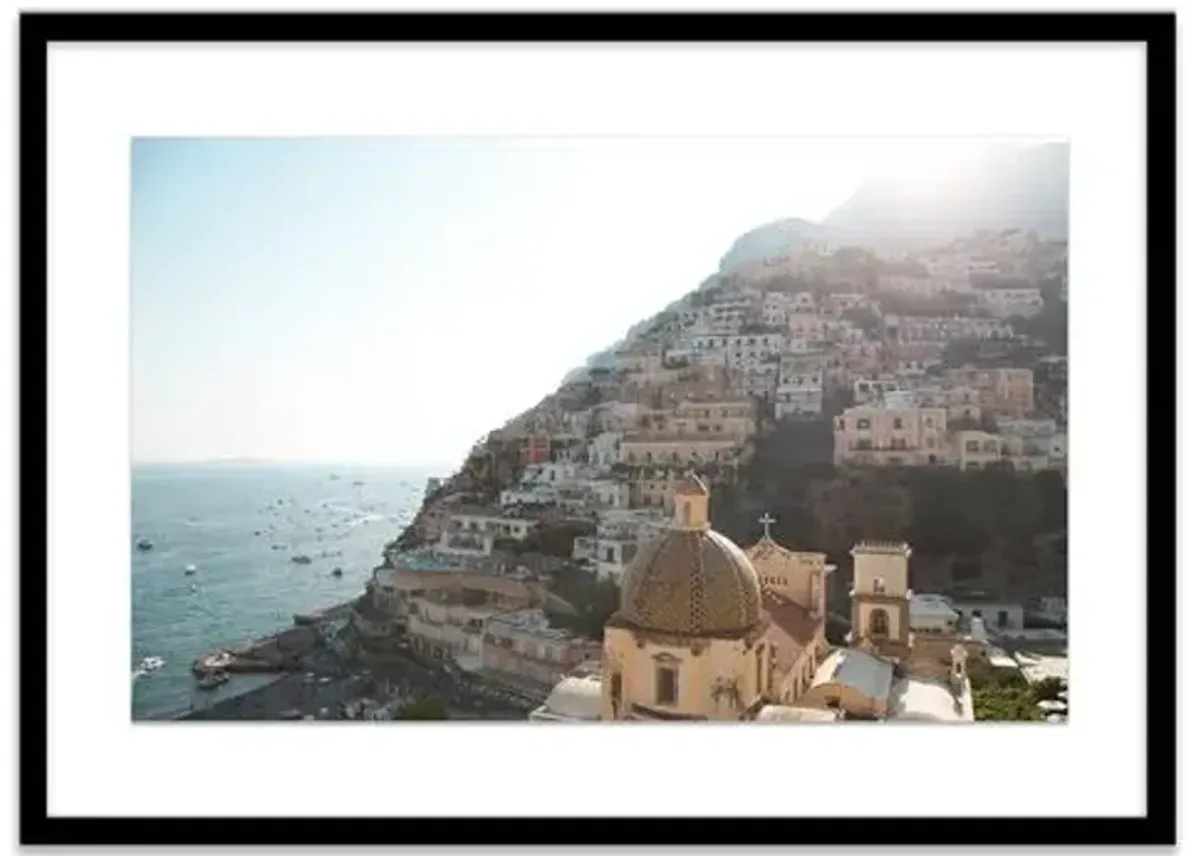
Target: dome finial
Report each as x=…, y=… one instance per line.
x=766, y=520
x=691, y=503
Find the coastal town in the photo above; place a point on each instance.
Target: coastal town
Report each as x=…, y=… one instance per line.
x=822, y=405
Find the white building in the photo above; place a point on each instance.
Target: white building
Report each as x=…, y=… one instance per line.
x=868, y=390
x=540, y=483
x=576, y=698
x=609, y=493
x=604, y=449
x=932, y=613
x=843, y=300
x=801, y=391
x=475, y=533
x=1005, y=302
x=999, y=617
x=752, y=349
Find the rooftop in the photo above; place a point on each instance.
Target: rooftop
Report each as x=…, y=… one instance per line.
x=931, y=606
x=791, y=629
x=784, y=713
x=867, y=673
x=532, y=621
x=573, y=698
x=892, y=548
x=926, y=700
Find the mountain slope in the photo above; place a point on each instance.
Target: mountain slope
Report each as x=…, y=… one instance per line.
x=772, y=239
x=1000, y=186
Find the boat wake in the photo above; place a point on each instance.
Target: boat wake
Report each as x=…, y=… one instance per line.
x=147, y=665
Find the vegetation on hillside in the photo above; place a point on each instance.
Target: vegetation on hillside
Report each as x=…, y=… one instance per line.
x=430, y=708
x=596, y=600
x=1001, y=694
x=997, y=531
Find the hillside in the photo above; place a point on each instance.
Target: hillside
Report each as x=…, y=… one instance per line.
x=1001, y=186
x=772, y=239
x=999, y=529
x=998, y=186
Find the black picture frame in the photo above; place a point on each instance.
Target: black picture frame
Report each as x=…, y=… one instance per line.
x=1155, y=30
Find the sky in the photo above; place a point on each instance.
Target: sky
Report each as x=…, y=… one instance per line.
x=356, y=300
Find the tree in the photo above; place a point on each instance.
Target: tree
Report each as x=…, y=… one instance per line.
x=1048, y=689
x=1000, y=694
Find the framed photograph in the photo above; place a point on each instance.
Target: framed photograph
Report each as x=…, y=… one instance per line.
x=398, y=387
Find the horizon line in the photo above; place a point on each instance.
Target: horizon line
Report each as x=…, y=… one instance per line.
x=200, y=462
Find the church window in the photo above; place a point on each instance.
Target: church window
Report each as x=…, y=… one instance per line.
x=758, y=671
x=666, y=685
x=879, y=623
x=614, y=687
x=877, y=585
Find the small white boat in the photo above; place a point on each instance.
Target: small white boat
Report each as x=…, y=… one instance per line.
x=189, y=570
x=150, y=664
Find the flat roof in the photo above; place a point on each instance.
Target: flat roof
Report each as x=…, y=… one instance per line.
x=785, y=713
x=931, y=606
x=1037, y=667
x=926, y=700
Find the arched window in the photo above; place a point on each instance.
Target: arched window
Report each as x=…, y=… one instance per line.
x=879, y=622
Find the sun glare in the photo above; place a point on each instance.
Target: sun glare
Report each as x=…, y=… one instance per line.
x=924, y=162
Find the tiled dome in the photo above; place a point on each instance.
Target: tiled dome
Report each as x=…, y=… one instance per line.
x=691, y=582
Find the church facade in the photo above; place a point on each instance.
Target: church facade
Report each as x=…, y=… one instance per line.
x=708, y=631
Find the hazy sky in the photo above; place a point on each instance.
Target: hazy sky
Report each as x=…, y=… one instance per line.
x=392, y=300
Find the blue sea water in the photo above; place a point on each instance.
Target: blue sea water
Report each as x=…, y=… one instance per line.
x=207, y=516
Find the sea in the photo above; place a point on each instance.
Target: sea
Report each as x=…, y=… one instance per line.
x=240, y=526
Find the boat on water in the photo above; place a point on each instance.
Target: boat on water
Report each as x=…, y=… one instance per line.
x=213, y=680
x=337, y=572
x=357, y=483
x=150, y=664
x=189, y=570
x=302, y=560
x=145, y=544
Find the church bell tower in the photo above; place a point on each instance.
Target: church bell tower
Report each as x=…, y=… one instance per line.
x=880, y=596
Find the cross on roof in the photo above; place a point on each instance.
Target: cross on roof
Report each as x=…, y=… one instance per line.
x=766, y=520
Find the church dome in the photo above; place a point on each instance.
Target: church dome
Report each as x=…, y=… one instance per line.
x=691, y=581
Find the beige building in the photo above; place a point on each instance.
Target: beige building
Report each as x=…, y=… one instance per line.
x=707, y=631
x=440, y=613
x=1002, y=391
x=891, y=436
x=522, y=644
x=1005, y=302
x=977, y=450
x=699, y=636
x=891, y=667
x=682, y=449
